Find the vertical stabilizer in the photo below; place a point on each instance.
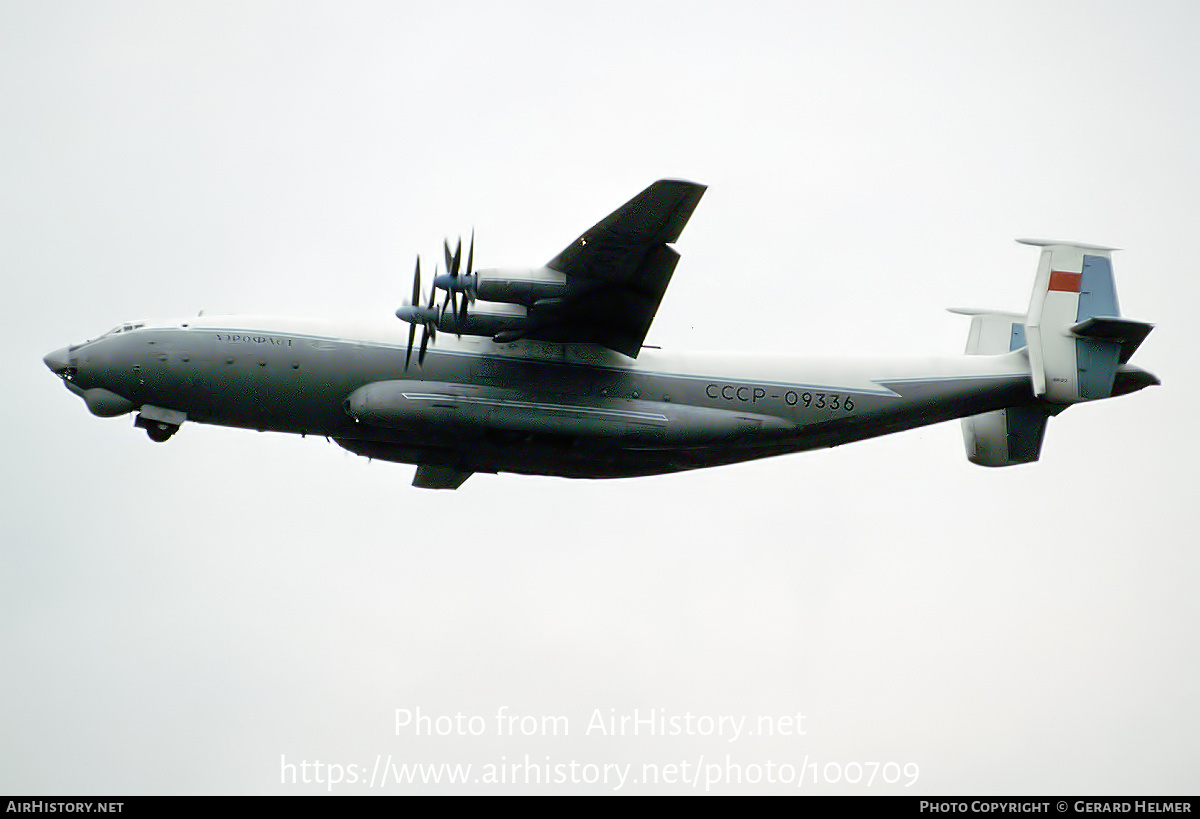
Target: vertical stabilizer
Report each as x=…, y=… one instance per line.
x=1077, y=342
x=1008, y=436
x=1074, y=283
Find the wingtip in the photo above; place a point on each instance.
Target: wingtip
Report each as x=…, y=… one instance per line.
x=677, y=181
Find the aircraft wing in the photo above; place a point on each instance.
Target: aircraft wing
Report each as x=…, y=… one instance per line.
x=618, y=271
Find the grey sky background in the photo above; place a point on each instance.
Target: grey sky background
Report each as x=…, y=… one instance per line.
x=177, y=618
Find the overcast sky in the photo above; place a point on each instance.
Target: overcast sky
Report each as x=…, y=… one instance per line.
x=193, y=617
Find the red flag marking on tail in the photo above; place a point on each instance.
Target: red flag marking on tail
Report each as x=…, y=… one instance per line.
x=1066, y=282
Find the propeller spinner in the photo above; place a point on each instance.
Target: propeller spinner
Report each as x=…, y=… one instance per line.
x=455, y=282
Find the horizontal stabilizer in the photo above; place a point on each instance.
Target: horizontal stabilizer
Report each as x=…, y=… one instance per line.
x=1131, y=379
x=1128, y=333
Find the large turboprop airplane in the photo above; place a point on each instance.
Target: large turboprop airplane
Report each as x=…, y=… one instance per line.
x=543, y=371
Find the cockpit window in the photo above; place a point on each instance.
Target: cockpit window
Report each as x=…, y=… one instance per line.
x=124, y=328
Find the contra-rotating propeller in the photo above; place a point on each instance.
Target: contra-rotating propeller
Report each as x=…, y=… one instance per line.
x=415, y=314
x=454, y=282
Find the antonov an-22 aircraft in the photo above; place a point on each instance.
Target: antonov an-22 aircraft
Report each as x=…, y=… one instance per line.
x=552, y=378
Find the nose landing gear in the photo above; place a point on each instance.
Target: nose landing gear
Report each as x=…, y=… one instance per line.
x=160, y=424
x=159, y=433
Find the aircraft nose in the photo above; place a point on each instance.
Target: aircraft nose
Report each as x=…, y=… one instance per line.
x=59, y=360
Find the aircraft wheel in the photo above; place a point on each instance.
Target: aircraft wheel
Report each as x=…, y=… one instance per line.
x=159, y=432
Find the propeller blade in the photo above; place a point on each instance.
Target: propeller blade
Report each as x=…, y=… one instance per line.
x=416, y=300
x=452, y=263
x=424, y=346
x=470, y=266
x=430, y=332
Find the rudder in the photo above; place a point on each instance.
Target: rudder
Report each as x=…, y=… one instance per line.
x=1077, y=338
x=1078, y=346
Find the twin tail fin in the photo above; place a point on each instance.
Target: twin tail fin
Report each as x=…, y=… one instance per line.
x=1077, y=342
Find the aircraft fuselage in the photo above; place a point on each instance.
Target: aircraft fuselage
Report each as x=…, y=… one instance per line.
x=575, y=410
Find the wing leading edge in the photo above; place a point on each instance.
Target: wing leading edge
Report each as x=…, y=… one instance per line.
x=618, y=270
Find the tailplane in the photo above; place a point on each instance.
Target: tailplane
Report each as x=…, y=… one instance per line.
x=1077, y=338
x=1078, y=346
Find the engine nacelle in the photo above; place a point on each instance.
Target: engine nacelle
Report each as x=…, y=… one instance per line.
x=490, y=321
x=519, y=285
